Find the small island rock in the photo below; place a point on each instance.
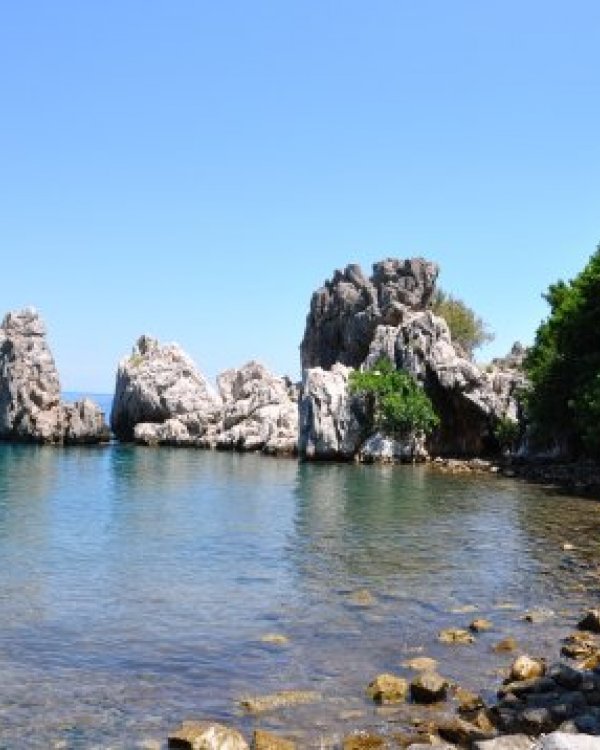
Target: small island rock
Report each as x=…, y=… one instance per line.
x=30, y=397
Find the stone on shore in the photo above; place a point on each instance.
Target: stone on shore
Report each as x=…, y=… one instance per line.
x=591, y=621
x=507, y=742
x=526, y=668
x=388, y=688
x=206, y=735
x=31, y=409
x=429, y=687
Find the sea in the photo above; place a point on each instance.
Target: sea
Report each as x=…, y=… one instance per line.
x=140, y=587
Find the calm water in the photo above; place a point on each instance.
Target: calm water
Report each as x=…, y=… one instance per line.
x=136, y=584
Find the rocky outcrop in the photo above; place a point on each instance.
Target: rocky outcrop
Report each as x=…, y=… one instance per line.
x=345, y=312
x=162, y=399
x=260, y=411
x=30, y=405
x=355, y=320
x=159, y=383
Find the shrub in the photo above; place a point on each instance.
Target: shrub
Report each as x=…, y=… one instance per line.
x=466, y=328
x=563, y=365
x=400, y=405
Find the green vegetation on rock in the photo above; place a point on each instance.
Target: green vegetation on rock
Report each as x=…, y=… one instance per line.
x=466, y=328
x=400, y=405
x=563, y=366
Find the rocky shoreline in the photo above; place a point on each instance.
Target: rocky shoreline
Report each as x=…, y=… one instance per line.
x=541, y=704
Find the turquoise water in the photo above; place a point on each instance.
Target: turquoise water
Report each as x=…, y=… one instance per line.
x=136, y=584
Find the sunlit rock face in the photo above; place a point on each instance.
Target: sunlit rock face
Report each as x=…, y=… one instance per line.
x=347, y=309
x=30, y=403
x=158, y=383
x=353, y=321
x=161, y=398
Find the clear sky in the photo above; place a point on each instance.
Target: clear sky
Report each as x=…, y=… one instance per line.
x=195, y=169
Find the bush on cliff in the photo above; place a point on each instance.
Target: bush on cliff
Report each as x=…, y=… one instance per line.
x=466, y=328
x=400, y=406
x=563, y=366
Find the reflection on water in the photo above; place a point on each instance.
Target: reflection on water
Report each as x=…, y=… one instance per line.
x=136, y=584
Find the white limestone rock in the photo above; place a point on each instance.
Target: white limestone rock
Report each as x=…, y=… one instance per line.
x=259, y=411
x=30, y=403
x=331, y=420
x=157, y=383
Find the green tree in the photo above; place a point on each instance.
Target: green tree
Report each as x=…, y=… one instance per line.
x=466, y=328
x=400, y=406
x=563, y=365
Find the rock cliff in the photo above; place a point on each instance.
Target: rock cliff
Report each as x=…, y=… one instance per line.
x=345, y=312
x=30, y=404
x=161, y=398
x=354, y=320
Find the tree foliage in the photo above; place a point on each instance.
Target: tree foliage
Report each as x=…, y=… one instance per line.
x=564, y=365
x=466, y=328
x=400, y=405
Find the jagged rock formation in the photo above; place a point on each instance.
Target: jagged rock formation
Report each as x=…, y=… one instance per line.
x=30, y=405
x=160, y=396
x=355, y=320
x=260, y=411
x=162, y=399
x=345, y=312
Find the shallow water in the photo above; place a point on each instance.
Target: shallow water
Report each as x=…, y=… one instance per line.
x=136, y=584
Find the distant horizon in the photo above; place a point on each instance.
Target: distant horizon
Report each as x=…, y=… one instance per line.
x=196, y=170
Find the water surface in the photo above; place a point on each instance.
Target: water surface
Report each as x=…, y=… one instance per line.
x=136, y=584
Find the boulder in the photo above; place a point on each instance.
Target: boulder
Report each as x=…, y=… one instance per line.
x=428, y=687
x=526, y=668
x=30, y=405
x=260, y=411
x=331, y=420
x=380, y=448
x=158, y=382
x=388, y=688
x=206, y=735
x=590, y=621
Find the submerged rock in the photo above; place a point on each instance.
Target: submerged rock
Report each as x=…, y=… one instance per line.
x=268, y=741
x=262, y=703
x=456, y=636
x=30, y=405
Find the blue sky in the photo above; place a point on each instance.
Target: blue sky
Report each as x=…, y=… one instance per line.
x=196, y=169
